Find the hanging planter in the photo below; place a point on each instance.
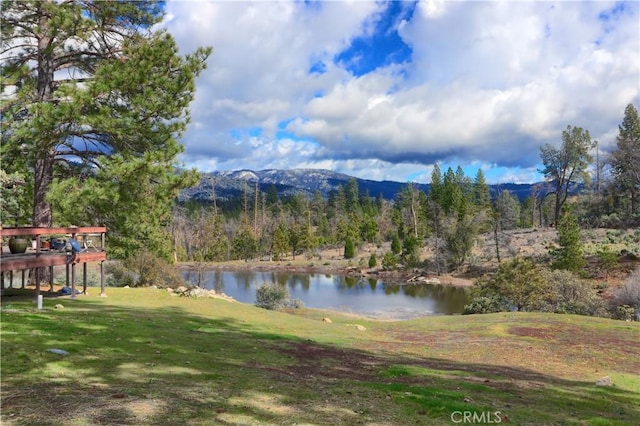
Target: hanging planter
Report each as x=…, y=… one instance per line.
x=18, y=244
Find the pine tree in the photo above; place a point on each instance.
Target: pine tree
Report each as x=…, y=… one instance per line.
x=123, y=100
x=349, y=249
x=569, y=256
x=482, y=196
x=625, y=160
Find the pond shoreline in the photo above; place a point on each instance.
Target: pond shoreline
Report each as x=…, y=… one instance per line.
x=410, y=277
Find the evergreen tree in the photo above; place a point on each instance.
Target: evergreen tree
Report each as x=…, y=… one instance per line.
x=281, y=243
x=569, y=255
x=481, y=193
x=349, y=249
x=396, y=245
x=124, y=101
x=625, y=159
x=435, y=189
x=435, y=214
x=351, y=195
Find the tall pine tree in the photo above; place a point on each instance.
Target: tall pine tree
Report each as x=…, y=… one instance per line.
x=109, y=121
x=625, y=160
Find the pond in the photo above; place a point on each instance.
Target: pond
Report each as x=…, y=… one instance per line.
x=364, y=296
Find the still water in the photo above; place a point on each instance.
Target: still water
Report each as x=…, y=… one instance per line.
x=364, y=296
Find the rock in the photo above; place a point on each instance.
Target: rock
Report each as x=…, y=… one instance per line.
x=604, y=381
x=59, y=306
x=467, y=399
x=328, y=320
x=360, y=327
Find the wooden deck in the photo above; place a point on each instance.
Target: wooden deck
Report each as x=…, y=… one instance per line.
x=37, y=258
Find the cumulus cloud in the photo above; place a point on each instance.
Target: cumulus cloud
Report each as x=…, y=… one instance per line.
x=485, y=82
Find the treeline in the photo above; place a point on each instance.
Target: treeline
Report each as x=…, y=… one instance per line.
x=602, y=190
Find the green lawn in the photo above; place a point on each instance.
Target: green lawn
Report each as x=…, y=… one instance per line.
x=144, y=357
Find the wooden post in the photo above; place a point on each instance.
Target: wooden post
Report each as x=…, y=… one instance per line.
x=23, y=281
x=73, y=280
x=37, y=278
x=84, y=278
x=51, y=279
x=102, y=292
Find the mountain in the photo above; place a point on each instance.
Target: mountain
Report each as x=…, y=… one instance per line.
x=224, y=185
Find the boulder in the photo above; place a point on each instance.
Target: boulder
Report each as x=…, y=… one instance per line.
x=604, y=381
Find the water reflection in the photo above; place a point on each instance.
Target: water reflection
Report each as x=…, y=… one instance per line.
x=367, y=296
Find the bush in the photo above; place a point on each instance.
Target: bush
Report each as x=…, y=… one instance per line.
x=389, y=261
x=625, y=303
x=272, y=296
x=608, y=259
x=153, y=270
x=117, y=275
x=373, y=262
x=486, y=305
x=142, y=270
x=571, y=295
x=518, y=283
x=295, y=304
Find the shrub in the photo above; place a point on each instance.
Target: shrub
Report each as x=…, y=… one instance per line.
x=518, y=283
x=117, y=275
x=141, y=270
x=373, y=262
x=295, y=303
x=608, y=259
x=271, y=296
x=625, y=302
x=486, y=305
x=389, y=261
x=153, y=270
x=571, y=295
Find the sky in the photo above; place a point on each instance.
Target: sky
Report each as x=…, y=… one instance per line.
x=385, y=90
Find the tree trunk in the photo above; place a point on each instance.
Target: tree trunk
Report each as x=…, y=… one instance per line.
x=42, y=215
x=497, y=242
x=44, y=162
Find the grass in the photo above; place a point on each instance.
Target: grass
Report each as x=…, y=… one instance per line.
x=144, y=357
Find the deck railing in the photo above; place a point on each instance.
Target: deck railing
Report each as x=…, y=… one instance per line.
x=38, y=256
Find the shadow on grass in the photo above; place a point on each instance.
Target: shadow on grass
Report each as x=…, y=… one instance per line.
x=166, y=366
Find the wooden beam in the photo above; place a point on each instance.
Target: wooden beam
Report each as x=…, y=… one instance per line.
x=17, y=262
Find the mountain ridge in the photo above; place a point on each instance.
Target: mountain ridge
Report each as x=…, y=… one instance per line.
x=227, y=184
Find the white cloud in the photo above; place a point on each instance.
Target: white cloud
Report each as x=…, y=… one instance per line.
x=487, y=81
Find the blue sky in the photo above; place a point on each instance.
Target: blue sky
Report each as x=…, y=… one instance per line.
x=384, y=90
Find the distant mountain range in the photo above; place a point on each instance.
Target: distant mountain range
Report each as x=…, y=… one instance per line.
x=224, y=185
